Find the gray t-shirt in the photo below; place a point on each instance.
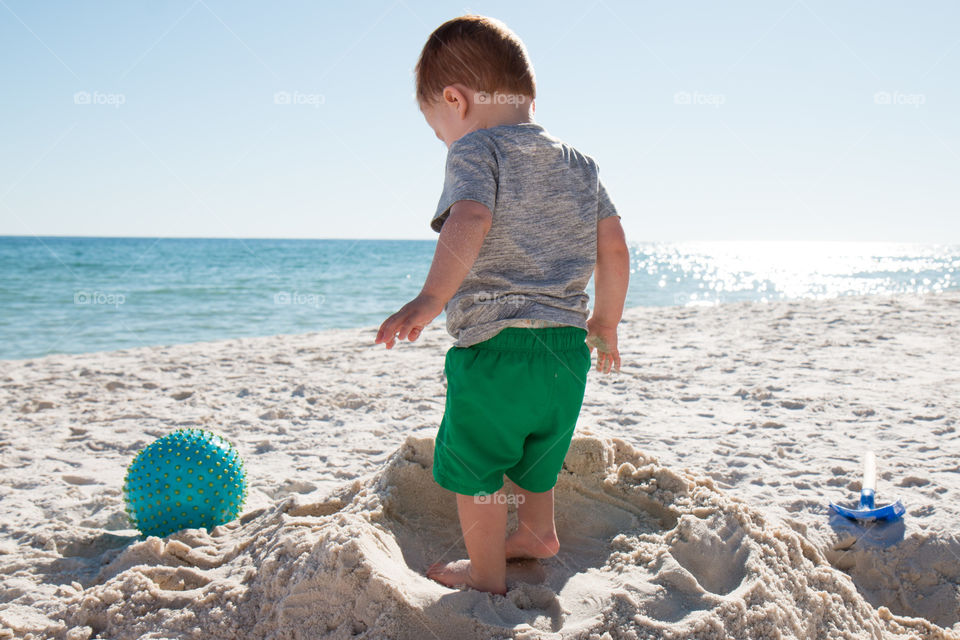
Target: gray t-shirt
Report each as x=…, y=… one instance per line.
x=546, y=198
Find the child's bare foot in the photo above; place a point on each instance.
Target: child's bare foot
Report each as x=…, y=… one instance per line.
x=457, y=573
x=526, y=544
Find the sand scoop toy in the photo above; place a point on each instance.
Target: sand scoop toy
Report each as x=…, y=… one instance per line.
x=867, y=511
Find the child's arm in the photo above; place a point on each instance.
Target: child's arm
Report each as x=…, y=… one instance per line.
x=610, y=278
x=458, y=246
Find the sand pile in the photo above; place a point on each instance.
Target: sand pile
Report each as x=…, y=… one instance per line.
x=646, y=552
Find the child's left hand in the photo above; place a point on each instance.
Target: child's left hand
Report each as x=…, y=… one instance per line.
x=408, y=323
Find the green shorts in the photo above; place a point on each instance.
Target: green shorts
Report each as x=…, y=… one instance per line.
x=512, y=405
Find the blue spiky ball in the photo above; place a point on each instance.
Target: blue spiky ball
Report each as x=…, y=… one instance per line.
x=188, y=478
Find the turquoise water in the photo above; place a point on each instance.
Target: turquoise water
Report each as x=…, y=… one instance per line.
x=75, y=295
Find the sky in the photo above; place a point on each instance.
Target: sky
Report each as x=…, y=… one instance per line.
x=764, y=120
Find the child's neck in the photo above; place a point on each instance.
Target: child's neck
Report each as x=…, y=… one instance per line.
x=495, y=115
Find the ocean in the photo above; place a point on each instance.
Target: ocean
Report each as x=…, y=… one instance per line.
x=79, y=294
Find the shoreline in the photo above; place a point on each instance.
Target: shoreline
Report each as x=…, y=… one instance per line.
x=437, y=323
x=773, y=402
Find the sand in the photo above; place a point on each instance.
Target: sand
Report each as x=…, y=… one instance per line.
x=692, y=504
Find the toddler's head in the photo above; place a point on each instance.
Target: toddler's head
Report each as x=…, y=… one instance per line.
x=472, y=65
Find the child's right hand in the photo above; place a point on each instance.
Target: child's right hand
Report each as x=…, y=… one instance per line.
x=604, y=338
x=408, y=323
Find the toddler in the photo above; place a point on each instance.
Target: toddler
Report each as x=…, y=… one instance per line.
x=524, y=221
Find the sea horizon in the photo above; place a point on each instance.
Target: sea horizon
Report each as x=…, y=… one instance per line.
x=434, y=237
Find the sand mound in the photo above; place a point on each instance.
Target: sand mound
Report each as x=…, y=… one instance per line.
x=646, y=552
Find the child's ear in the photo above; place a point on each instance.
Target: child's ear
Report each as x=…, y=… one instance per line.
x=454, y=97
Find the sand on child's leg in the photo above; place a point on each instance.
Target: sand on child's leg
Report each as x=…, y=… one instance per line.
x=483, y=520
x=536, y=534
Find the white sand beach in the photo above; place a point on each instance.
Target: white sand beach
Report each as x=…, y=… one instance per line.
x=692, y=504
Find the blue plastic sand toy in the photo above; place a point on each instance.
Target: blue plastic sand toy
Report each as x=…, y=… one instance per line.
x=867, y=511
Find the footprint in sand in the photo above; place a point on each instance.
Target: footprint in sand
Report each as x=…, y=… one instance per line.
x=714, y=555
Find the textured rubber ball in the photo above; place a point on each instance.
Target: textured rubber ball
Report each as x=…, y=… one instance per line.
x=188, y=478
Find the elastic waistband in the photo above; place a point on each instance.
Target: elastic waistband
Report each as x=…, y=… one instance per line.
x=529, y=339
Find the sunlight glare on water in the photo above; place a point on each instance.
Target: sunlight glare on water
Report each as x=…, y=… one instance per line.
x=706, y=273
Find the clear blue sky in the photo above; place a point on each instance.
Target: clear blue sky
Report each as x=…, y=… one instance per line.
x=817, y=120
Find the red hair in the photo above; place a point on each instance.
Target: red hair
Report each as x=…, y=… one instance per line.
x=479, y=52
